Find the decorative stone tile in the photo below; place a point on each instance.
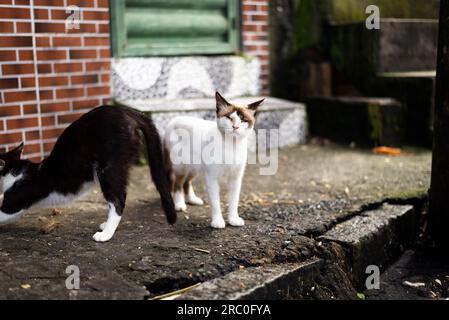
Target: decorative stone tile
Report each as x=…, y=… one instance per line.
x=184, y=77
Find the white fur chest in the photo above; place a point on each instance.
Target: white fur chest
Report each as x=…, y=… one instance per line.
x=9, y=180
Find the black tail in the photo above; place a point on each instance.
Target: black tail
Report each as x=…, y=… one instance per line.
x=157, y=168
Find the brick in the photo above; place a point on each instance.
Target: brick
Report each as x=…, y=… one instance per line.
x=8, y=55
x=32, y=135
x=7, y=111
x=17, y=96
x=58, y=3
x=105, y=78
x=18, y=68
x=103, y=28
x=55, y=107
x=23, y=27
x=22, y=123
x=69, y=118
x=52, y=55
x=41, y=14
x=5, y=1
x=97, y=66
x=48, y=121
x=30, y=109
x=45, y=27
x=104, y=53
x=26, y=55
x=46, y=94
x=22, y=2
x=83, y=54
x=44, y=68
x=249, y=7
x=15, y=41
x=7, y=138
x=102, y=4
x=51, y=133
x=6, y=26
x=9, y=83
x=66, y=41
x=69, y=93
x=53, y=81
x=59, y=14
x=85, y=104
x=98, y=91
x=84, y=79
x=95, y=15
x=84, y=28
x=82, y=3
x=96, y=41
x=15, y=13
x=43, y=41
x=68, y=67
x=28, y=82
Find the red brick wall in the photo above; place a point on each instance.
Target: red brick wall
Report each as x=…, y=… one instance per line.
x=255, y=18
x=72, y=67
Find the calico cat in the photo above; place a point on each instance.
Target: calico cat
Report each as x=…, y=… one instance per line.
x=97, y=148
x=233, y=121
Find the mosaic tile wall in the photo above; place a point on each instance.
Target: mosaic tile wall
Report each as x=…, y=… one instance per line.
x=185, y=77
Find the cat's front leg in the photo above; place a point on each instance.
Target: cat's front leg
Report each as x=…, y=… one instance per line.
x=234, y=187
x=213, y=191
x=108, y=228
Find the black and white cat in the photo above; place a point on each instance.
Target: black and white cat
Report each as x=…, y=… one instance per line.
x=97, y=148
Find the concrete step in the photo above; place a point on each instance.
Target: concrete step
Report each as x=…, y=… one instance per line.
x=286, y=116
x=400, y=45
x=365, y=121
x=416, y=91
x=374, y=237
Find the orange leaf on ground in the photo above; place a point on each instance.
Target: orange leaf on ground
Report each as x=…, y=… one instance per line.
x=387, y=151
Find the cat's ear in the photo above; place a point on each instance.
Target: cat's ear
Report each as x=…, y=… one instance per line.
x=253, y=106
x=16, y=153
x=221, y=102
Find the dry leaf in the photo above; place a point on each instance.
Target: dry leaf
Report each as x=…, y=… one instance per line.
x=56, y=212
x=387, y=151
x=47, y=225
x=25, y=286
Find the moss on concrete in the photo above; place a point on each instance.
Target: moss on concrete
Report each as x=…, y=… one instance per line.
x=343, y=11
x=375, y=120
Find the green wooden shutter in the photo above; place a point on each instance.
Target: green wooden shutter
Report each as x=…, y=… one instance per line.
x=174, y=27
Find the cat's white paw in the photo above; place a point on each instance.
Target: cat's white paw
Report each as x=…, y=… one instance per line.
x=236, y=222
x=102, y=236
x=218, y=223
x=195, y=201
x=180, y=206
x=102, y=226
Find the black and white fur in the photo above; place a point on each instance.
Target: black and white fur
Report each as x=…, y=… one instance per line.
x=97, y=148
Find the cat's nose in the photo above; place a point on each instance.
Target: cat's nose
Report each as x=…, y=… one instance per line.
x=235, y=127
